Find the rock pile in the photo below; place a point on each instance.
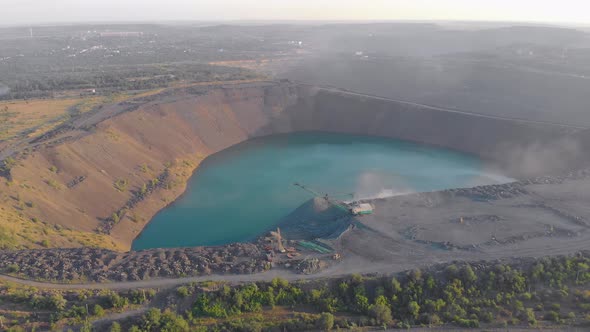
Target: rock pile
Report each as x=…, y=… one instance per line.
x=104, y=265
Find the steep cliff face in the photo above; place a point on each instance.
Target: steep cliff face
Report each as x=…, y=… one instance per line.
x=520, y=148
x=114, y=170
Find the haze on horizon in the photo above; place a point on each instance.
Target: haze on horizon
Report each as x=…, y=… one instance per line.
x=29, y=12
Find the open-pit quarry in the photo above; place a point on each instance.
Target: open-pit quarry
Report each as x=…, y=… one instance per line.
x=108, y=172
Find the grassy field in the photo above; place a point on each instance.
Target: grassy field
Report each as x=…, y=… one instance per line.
x=33, y=117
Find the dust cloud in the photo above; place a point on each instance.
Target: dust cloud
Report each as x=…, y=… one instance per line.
x=540, y=158
x=375, y=185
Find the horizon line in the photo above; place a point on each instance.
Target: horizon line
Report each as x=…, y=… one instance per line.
x=283, y=21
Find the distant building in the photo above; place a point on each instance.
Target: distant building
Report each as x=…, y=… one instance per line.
x=121, y=34
x=88, y=92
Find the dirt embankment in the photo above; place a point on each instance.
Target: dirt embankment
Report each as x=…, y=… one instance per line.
x=112, y=170
x=119, y=166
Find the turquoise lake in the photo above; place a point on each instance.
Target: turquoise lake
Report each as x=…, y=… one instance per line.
x=237, y=194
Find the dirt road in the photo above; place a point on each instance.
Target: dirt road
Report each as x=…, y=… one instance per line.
x=163, y=283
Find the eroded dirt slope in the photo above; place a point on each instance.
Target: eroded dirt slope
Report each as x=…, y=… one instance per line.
x=129, y=163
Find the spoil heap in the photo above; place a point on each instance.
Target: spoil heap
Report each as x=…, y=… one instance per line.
x=316, y=218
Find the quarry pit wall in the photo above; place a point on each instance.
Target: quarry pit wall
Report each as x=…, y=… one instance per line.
x=117, y=155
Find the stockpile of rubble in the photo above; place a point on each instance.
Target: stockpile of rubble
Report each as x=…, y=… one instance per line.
x=104, y=265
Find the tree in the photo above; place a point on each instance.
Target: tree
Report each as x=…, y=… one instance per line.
x=115, y=327
x=97, y=310
x=430, y=283
x=382, y=300
x=114, y=300
x=415, y=274
x=396, y=287
x=171, y=322
x=581, y=267
x=552, y=316
x=56, y=302
x=151, y=320
x=530, y=317
x=468, y=275
x=381, y=313
x=451, y=271
x=414, y=309
x=86, y=327
x=279, y=283
x=182, y=291
x=361, y=303
x=143, y=190
x=326, y=321
x=12, y=268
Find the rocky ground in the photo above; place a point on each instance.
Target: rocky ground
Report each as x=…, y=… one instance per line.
x=101, y=265
x=532, y=218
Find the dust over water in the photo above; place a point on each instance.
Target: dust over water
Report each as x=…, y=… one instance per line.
x=239, y=193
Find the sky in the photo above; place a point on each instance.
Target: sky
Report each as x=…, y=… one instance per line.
x=16, y=12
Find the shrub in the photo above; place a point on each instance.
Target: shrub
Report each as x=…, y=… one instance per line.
x=121, y=185
x=97, y=310
x=54, y=302
x=13, y=268
x=469, y=323
x=115, y=327
x=381, y=313
x=114, y=300
x=143, y=190
x=552, y=316
x=183, y=291
x=414, y=309
x=326, y=321
x=53, y=184
x=7, y=164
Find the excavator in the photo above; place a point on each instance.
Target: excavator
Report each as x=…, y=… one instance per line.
x=354, y=208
